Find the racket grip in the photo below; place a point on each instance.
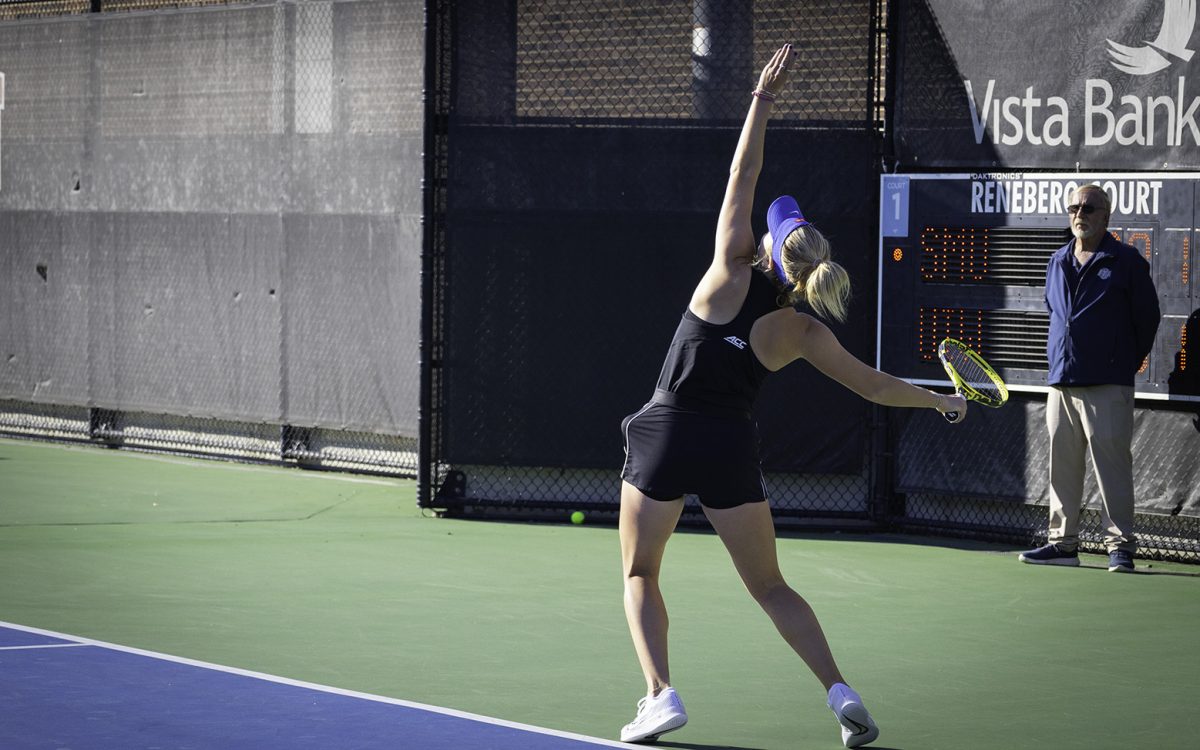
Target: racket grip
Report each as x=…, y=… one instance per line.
x=952, y=416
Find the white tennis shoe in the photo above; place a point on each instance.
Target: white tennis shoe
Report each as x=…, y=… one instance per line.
x=858, y=728
x=656, y=715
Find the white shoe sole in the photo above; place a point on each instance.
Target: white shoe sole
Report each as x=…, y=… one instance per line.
x=650, y=734
x=857, y=727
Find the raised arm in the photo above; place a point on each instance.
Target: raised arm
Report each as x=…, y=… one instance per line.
x=735, y=238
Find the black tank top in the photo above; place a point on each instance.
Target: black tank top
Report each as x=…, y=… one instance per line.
x=711, y=367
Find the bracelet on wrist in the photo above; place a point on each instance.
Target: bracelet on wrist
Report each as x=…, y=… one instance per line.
x=763, y=94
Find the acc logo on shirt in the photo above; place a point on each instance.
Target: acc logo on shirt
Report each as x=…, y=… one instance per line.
x=1104, y=273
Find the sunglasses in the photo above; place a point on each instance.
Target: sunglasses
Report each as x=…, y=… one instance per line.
x=1087, y=209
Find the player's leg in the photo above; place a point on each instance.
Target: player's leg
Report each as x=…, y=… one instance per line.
x=645, y=526
x=748, y=532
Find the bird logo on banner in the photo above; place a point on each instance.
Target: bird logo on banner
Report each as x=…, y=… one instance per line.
x=1179, y=21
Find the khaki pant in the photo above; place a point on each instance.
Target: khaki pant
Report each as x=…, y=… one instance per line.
x=1097, y=420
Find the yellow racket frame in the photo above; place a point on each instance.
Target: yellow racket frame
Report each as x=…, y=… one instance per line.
x=962, y=386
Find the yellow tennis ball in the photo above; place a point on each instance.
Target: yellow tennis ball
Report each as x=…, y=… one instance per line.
x=577, y=517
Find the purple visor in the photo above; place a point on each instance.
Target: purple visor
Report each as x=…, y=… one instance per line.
x=783, y=218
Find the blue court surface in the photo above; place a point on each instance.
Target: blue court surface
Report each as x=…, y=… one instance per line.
x=60, y=692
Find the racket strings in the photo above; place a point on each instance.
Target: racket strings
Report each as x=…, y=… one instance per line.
x=973, y=375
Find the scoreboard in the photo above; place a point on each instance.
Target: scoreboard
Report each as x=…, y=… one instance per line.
x=965, y=255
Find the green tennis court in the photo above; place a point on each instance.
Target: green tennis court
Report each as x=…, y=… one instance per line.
x=340, y=581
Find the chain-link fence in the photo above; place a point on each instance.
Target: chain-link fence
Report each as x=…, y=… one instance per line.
x=450, y=240
x=584, y=152
x=1159, y=536
x=211, y=219
x=13, y=9
x=586, y=148
x=988, y=478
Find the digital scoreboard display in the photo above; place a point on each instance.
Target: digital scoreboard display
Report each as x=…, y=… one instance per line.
x=965, y=255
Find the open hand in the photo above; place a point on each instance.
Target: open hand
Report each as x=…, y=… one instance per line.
x=775, y=75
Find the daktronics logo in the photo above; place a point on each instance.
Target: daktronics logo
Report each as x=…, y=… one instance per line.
x=1179, y=20
x=1163, y=118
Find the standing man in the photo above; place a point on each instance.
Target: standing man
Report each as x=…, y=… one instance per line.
x=1103, y=317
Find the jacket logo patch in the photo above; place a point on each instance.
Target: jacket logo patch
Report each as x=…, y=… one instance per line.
x=1104, y=273
x=742, y=344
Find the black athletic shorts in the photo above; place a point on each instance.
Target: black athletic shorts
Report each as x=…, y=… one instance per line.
x=671, y=452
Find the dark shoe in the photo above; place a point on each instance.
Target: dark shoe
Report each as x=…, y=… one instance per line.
x=1051, y=554
x=1120, y=561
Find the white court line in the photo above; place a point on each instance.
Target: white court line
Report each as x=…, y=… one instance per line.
x=80, y=641
x=43, y=645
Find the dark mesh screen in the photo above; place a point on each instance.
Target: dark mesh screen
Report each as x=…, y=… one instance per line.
x=587, y=149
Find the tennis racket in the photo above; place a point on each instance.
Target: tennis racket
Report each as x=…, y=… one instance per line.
x=973, y=378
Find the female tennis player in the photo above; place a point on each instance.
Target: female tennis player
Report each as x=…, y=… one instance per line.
x=697, y=436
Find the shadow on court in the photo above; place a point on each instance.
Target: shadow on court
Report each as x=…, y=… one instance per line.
x=1139, y=571
x=703, y=746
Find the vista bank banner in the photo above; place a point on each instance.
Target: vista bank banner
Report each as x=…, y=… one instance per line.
x=1107, y=84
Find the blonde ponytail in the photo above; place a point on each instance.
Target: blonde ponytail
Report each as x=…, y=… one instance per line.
x=827, y=290
x=815, y=279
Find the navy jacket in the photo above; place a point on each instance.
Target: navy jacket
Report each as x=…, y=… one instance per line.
x=1102, y=328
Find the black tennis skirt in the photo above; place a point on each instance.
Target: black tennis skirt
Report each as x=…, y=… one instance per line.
x=672, y=451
